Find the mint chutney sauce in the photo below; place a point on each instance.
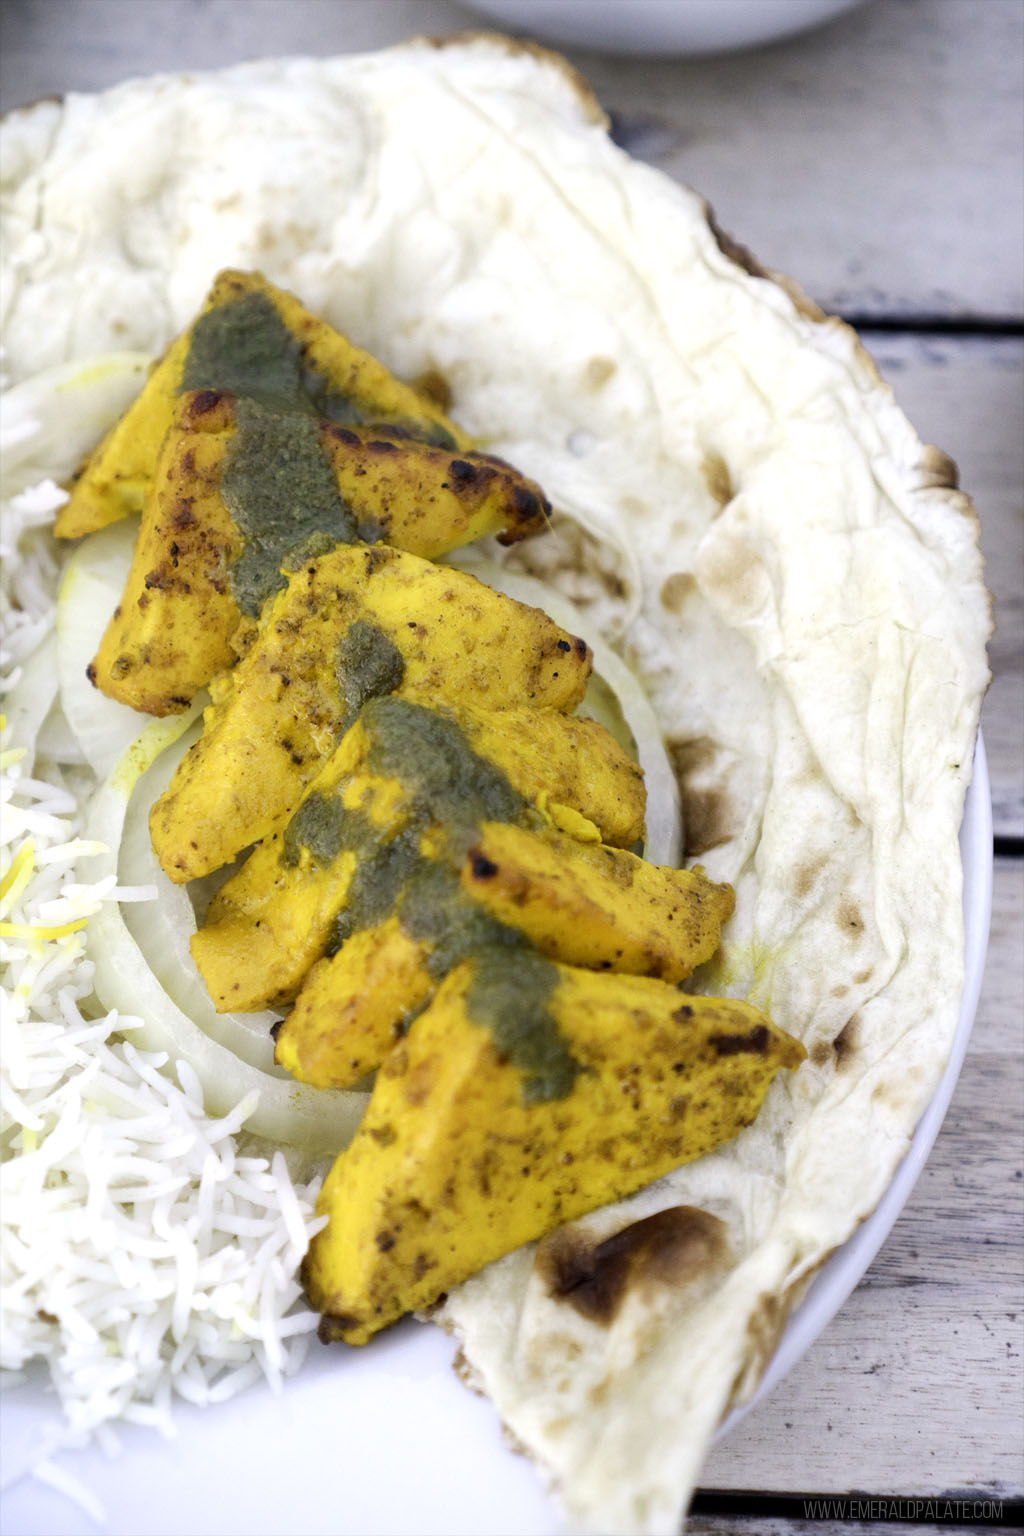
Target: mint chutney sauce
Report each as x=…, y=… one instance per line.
x=245, y=348
x=283, y=497
x=278, y=484
x=368, y=665
x=447, y=783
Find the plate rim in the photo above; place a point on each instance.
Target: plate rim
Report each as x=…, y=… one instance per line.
x=417, y=1352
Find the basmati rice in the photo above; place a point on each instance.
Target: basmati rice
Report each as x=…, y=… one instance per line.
x=149, y=1249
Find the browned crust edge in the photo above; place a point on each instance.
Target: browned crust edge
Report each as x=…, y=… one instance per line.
x=578, y=83
x=937, y=470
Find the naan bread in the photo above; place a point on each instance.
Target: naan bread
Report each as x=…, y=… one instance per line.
x=749, y=517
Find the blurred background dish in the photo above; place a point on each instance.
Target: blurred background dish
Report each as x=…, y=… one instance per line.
x=662, y=26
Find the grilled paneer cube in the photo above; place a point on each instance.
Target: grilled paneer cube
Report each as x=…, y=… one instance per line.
x=600, y=907
x=354, y=624
x=570, y=767
x=522, y=1098
x=242, y=493
x=354, y=1005
x=401, y=765
x=172, y=629
x=579, y=903
x=255, y=959
x=258, y=343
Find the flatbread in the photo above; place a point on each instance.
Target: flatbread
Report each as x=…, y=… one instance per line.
x=745, y=512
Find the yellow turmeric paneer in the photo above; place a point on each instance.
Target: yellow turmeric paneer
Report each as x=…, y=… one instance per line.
x=240, y=493
x=353, y=624
x=354, y=1005
x=256, y=959
x=259, y=343
x=579, y=903
x=426, y=499
x=251, y=951
x=171, y=630
x=595, y=906
x=563, y=763
x=522, y=1098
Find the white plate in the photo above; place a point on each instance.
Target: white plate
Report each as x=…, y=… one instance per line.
x=386, y=1440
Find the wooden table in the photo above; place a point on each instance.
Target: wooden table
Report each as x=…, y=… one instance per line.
x=880, y=161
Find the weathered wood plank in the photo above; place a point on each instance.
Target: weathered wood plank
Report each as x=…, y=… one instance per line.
x=915, y=1384
x=876, y=159
x=52, y=46
x=815, y=1525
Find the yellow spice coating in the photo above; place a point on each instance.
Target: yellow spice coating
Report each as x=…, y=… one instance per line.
x=450, y=1169
x=277, y=716
x=600, y=907
x=113, y=481
x=562, y=762
x=173, y=627
x=430, y=500
x=254, y=952
x=353, y=1006
x=579, y=903
x=270, y=922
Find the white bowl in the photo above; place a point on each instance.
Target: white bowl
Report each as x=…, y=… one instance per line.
x=661, y=26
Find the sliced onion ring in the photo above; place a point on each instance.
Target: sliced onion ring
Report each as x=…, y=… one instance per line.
x=89, y=593
x=162, y=928
x=52, y=420
x=318, y=1120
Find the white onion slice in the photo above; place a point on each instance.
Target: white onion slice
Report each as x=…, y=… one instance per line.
x=89, y=593
x=664, y=833
x=319, y=1120
x=28, y=703
x=52, y=420
x=162, y=928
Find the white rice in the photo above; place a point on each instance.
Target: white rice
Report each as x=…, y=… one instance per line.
x=148, y=1249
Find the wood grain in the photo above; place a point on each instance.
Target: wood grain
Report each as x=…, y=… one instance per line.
x=52, y=46
x=876, y=159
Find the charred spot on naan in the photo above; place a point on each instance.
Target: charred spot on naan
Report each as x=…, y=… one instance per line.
x=713, y=813
x=806, y=874
x=597, y=373
x=678, y=1247
x=717, y=478
x=575, y=562
x=676, y=589
x=844, y=1046
x=849, y=918
x=840, y=1052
